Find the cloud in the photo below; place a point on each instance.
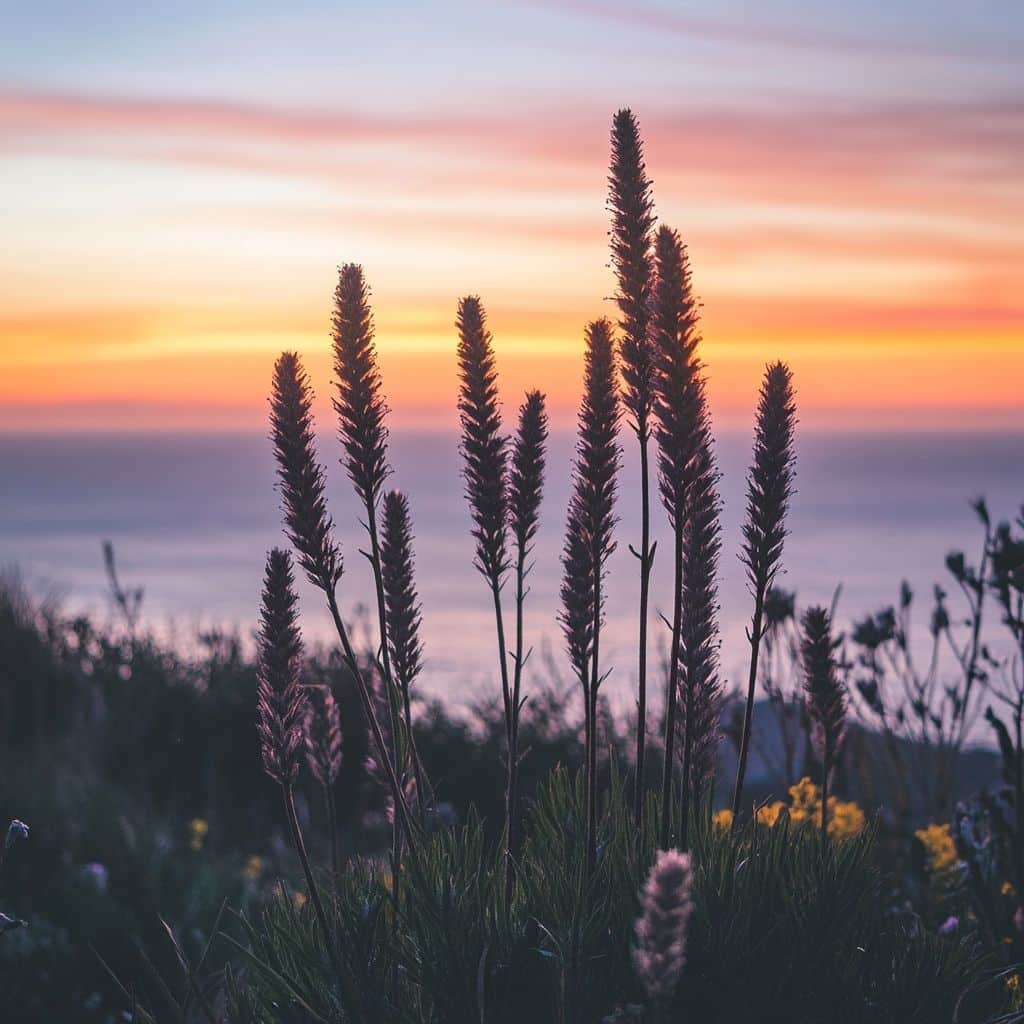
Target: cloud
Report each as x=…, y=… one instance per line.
x=772, y=34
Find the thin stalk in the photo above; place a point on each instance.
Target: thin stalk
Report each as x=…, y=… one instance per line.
x=646, y=556
x=401, y=808
x=756, y=634
x=513, y=751
x=332, y=825
x=684, y=819
x=595, y=681
x=673, y=689
x=824, y=792
x=300, y=849
x=382, y=625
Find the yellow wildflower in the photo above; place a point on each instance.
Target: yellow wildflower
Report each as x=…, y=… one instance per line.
x=804, y=801
x=1016, y=988
x=253, y=869
x=722, y=820
x=939, y=846
x=1008, y=890
x=769, y=813
x=845, y=819
x=197, y=830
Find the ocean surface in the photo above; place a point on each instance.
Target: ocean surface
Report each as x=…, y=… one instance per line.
x=191, y=517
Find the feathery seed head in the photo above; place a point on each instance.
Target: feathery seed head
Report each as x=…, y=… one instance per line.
x=591, y=519
x=660, y=952
x=300, y=476
x=281, y=702
x=699, y=643
x=680, y=408
x=632, y=207
x=323, y=735
x=484, y=448
x=823, y=691
x=526, y=475
x=359, y=403
x=770, y=483
x=401, y=600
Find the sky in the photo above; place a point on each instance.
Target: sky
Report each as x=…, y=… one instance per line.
x=181, y=182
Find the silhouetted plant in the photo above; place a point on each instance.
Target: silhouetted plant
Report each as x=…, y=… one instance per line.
x=698, y=674
x=310, y=528
x=682, y=431
x=825, y=696
x=281, y=706
x=525, y=487
x=485, y=456
x=589, y=539
x=769, y=487
x=403, y=617
x=632, y=208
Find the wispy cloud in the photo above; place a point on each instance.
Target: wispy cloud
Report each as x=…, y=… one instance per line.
x=771, y=33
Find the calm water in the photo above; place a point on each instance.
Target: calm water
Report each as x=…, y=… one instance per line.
x=191, y=516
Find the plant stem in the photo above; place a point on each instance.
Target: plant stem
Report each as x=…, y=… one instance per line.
x=513, y=753
x=673, y=686
x=401, y=808
x=332, y=825
x=595, y=681
x=646, y=557
x=300, y=849
x=510, y=739
x=756, y=631
x=824, y=792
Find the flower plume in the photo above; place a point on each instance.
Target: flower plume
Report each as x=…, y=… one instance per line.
x=323, y=735
x=300, y=476
x=401, y=600
x=484, y=448
x=359, y=403
x=281, y=702
x=770, y=483
x=526, y=476
x=660, y=952
x=632, y=208
x=823, y=691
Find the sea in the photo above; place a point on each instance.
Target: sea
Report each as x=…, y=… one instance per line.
x=192, y=515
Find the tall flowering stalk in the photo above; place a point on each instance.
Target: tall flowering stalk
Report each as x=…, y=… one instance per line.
x=323, y=755
x=824, y=696
x=486, y=472
x=632, y=208
x=681, y=431
x=660, y=952
x=310, y=530
x=769, y=487
x=403, y=613
x=361, y=410
x=699, y=680
x=525, y=488
x=281, y=702
x=589, y=541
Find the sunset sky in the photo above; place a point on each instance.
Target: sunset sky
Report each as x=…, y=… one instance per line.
x=179, y=188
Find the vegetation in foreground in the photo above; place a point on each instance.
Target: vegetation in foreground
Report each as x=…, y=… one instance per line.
x=608, y=895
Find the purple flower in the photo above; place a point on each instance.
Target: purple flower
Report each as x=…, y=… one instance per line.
x=949, y=927
x=661, y=930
